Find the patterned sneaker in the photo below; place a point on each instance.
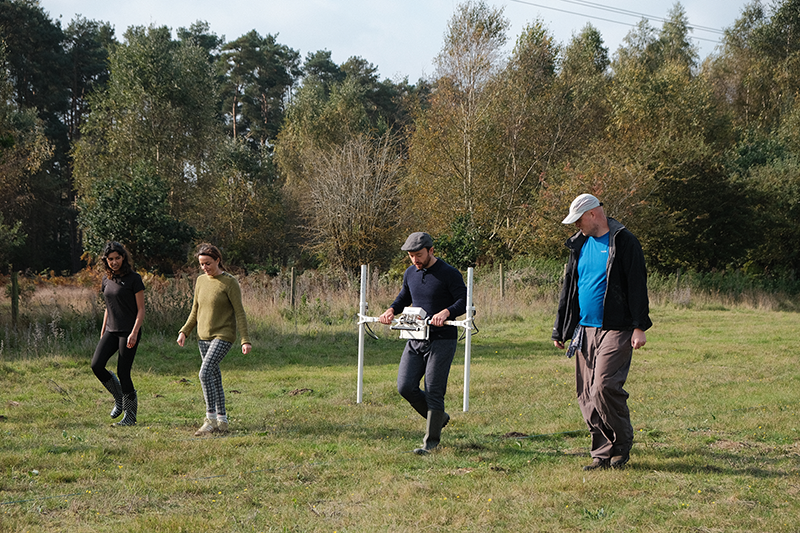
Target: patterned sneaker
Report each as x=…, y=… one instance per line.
x=222, y=427
x=208, y=427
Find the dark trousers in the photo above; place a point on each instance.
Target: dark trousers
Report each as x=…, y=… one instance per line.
x=602, y=367
x=110, y=343
x=431, y=360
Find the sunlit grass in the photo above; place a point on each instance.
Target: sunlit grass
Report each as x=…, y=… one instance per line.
x=713, y=398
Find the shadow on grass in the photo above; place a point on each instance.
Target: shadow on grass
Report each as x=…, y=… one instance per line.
x=700, y=460
x=335, y=349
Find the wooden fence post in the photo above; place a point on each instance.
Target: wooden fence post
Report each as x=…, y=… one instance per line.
x=292, y=300
x=14, y=298
x=502, y=283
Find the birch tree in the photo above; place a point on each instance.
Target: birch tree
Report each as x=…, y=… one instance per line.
x=451, y=147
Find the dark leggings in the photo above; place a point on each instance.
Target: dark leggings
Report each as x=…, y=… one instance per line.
x=110, y=343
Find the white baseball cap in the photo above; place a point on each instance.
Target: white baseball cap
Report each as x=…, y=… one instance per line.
x=579, y=206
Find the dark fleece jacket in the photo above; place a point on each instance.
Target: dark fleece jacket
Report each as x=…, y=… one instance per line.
x=625, y=304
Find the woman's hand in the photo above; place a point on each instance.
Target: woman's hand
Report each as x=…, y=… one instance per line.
x=181, y=339
x=246, y=348
x=132, y=338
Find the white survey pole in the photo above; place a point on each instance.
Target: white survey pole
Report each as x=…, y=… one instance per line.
x=417, y=322
x=468, y=339
x=362, y=311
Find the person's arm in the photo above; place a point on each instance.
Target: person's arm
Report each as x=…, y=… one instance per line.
x=636, y=276
x=638, y=339
x=191, y=322
x=559, y=325
x=439, y=318
x=387, y=316
x=235, y=298
x=132, y=338
x=105, y=313
x=458, y=293
x=400, y=303
x=105, y=321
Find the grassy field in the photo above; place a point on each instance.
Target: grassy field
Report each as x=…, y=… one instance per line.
x=714, y=400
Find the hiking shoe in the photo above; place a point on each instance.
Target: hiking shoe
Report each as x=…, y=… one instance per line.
x=597, y=464
x=618, y=461
x=208, y=427
x=222, y=427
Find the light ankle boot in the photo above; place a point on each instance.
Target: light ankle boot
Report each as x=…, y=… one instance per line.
x=433, y=433
x=115, y=388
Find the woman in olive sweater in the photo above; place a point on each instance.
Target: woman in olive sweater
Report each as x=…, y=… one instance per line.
x=217, y=313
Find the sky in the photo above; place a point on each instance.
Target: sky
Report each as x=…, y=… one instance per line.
x=400, y=37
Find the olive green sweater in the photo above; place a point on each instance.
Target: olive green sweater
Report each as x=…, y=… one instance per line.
x=217, y=309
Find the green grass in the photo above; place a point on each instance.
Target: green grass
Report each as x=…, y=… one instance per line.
x=714, y=400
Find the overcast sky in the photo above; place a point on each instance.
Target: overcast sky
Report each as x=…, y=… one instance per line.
x=400, y=37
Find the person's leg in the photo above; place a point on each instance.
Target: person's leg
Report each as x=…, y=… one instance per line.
x=125, y=362
x=130, y=400
x=210, y=375
x=585, y=362
x=216, y=353
x=106, y=348
x=410, y=373
x=437, y=370
x=613, y=362
x=206, y=380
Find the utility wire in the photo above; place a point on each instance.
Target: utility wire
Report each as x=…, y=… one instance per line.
x=660, y=19
x=621, y=11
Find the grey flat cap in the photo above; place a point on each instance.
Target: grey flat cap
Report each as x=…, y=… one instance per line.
x=417, y=241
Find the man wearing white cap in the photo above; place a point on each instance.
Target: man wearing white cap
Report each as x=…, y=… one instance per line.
x=604, y=309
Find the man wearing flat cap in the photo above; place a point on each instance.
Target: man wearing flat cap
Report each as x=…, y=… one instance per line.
x=439, y=289
x=604, y=310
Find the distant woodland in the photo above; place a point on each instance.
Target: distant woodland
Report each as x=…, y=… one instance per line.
x=161, y=138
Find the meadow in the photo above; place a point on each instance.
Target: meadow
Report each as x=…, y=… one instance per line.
x=714, y=400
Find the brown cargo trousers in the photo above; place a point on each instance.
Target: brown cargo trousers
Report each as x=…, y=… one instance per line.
x=601, y=369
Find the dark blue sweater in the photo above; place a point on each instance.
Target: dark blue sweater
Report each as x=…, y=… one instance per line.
x=436, y=288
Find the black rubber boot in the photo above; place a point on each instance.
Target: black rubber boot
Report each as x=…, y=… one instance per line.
x=130, y=404
x=113, y=386
x=421, y=408
x=433, y=433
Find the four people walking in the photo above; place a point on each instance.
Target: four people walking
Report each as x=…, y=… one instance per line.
x=603, y=310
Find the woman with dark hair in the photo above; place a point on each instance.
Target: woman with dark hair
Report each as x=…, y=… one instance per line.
x=217, y=312
x=123, y=291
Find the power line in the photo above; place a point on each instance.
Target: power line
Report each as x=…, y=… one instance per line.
x=612, y=9
x=660, y=19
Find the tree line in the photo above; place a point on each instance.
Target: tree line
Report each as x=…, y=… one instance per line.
x=161, y=139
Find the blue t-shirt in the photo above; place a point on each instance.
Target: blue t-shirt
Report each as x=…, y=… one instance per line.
x=592, y=280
